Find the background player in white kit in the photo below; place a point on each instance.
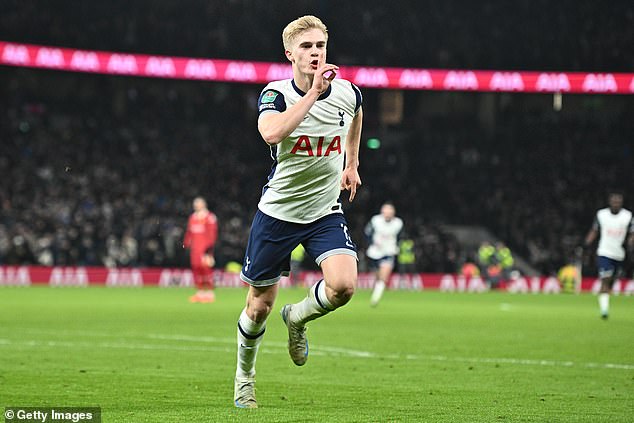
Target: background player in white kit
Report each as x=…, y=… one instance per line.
x=613, y=224
x=383, y=231
x=309, y=122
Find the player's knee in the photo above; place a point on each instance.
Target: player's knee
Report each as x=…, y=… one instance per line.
x=342, y=291
x=344, y=295
x=259, y=309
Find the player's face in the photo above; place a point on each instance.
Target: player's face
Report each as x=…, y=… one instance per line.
x=308, y=49
x=615, y=202
x=199, y=205
x=388, y=211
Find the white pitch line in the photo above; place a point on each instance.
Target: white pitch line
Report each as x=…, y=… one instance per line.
x=280, y=348
x=203, y=339
x=211, y=339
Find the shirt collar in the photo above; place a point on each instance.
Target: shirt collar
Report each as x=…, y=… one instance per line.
x=302, y=93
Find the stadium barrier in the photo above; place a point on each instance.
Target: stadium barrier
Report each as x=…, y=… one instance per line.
x=169, y=277
x=68, y=59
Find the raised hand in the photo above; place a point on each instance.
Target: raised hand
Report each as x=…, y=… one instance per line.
x=324, y=74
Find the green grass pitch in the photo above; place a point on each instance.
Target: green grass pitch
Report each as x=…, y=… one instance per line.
x=147, y=355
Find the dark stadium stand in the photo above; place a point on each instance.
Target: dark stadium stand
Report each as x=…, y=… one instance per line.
x=541, y=35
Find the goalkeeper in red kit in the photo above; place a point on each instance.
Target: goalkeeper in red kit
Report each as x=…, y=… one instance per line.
x=200, y=238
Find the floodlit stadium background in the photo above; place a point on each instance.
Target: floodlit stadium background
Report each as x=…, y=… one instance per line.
x=100, y=167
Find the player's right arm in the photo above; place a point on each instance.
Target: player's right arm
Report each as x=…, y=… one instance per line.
x=274, y=127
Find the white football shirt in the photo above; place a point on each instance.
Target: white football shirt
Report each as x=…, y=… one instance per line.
x=384, y=236
x=613, y=228
x=304, y=184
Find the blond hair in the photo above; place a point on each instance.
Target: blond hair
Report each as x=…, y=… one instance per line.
x=300, y=25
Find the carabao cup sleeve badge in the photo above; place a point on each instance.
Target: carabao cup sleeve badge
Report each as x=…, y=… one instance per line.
x=269, y=97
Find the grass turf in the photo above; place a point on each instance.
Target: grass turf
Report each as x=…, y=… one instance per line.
x=147, y=355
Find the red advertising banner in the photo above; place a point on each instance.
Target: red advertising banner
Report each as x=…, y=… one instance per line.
x=166, y=277
x=67, y=59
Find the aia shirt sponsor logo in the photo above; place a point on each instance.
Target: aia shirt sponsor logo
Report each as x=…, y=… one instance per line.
x=615, y=233
x=316, y=148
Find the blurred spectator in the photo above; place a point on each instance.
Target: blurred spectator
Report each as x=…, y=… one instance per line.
x=495, y=263
x=470, y=270
x=486, y=258
x=297, y=260
x=406, y=257
x=568, y=277
x=504, y=259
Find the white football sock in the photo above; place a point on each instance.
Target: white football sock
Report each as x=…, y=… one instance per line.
x=377, y=292
x=604, y=303
x=250, y=335
x=316, y=304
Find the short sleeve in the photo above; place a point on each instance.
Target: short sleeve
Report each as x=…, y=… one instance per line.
x=271, y=101
x=358, y=98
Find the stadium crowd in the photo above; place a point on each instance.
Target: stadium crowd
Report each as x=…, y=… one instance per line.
x=107, y=176
x=534, y=181
x=101, y=171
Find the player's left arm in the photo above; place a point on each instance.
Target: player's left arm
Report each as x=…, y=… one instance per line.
x=593, y=233
x=399, y=237
x=350, y=179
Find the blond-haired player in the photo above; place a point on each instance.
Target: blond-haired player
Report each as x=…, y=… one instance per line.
x=311, y=122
